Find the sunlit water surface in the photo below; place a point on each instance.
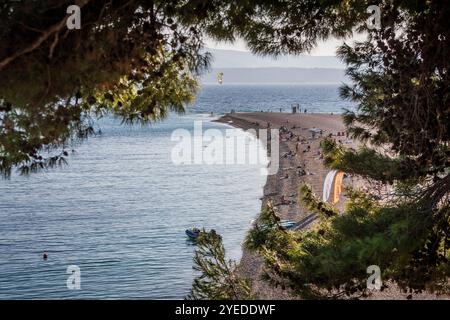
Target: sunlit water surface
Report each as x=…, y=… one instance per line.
x=120, y=208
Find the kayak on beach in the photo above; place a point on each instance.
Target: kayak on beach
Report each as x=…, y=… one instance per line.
x=287, y=223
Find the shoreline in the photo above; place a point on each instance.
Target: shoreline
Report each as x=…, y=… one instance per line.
x=305, y=166
x=300, y=168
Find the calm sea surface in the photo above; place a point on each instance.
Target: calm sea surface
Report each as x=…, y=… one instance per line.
x=119, y=210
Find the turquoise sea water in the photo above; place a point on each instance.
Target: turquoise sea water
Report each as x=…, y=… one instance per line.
x=120, y=208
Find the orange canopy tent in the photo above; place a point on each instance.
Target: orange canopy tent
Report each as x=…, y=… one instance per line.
x=333, y=186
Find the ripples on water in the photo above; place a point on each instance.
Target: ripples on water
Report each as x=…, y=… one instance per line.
x=119, y=210
x=246, y=98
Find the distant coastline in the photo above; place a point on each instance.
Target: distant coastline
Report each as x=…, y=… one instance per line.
x=243, y=84
x=245, y=59
x=275, y=75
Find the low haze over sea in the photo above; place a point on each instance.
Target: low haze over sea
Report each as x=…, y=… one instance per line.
x=120, y=208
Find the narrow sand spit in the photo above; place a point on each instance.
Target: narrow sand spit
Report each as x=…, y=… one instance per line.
x=303, y=167
x=300, y=162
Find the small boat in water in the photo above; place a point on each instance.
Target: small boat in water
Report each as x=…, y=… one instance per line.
x=193, y=233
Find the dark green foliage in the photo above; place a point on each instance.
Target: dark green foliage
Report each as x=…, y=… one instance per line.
x=139, y=60
x=331, y=258
x=267, y=227
x=370, y=163
x=401, y=85
x=272, y=27
x=219, y=279
x=134, y=59
x=400, y=82
x=311, y=203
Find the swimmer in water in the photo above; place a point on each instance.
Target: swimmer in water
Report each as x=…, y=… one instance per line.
x=45, y=256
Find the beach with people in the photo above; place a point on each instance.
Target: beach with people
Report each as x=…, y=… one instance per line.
x=301, y=161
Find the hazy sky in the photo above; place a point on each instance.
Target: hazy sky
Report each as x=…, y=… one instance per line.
x=326, y=48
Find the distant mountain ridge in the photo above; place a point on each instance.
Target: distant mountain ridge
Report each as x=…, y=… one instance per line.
x=244, y=59
x=276, y=75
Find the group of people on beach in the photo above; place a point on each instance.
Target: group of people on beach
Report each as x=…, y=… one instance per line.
x=285, y=201
x=302, y=146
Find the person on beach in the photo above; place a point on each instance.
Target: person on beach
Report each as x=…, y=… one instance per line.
x=289, y=154
x=285, y=201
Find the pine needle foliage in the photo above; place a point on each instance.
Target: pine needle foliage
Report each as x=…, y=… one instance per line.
x=219, y=278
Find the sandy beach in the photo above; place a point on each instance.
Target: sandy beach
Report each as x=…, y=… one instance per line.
x=300, y=162
x=305, y=166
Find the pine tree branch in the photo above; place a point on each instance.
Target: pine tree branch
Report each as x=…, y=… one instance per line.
x=56, y=28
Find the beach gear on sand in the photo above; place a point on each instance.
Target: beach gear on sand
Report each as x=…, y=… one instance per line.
x=332, y=186
x=327, y=184
x=285, y=224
